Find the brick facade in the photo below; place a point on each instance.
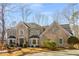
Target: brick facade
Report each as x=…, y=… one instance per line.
x=25, y=34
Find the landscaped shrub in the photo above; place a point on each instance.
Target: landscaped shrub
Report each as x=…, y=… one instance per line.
x=25, y=45
x=49, y=44
x=72, y=40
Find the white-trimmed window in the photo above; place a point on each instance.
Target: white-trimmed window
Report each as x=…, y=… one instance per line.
x=61, y=41
x=34, y=41
x=21, y=32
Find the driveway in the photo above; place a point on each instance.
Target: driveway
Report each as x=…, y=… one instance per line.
x=57, y=53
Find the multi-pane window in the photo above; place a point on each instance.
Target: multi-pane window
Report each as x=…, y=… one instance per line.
x=34, y=41
x=61, y=41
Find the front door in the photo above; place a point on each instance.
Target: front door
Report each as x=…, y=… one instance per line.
x=21, y=41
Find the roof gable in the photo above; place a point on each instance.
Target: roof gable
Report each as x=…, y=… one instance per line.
x=22, y=23
x=55, y=26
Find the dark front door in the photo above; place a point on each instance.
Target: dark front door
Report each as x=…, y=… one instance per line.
x=21, y=42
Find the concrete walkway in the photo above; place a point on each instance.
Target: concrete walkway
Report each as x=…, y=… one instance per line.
x=57, y=53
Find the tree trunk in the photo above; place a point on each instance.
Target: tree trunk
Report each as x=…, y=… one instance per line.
x=3, y=26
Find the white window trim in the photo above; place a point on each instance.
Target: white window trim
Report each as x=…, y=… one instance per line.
x=62, y=41
x=20, y=32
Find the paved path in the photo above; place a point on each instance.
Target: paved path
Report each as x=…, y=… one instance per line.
x=57, y=53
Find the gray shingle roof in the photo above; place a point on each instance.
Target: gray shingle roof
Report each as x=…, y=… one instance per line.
x=67, y=27
x=33, y=25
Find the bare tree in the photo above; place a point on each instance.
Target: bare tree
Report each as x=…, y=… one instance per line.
x=25, y=12
x=72, y=16
x=38, y=17
x=3, y=19
x=44, y=19
x=57, y=16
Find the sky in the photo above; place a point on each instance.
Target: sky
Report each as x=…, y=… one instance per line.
x=49, y=12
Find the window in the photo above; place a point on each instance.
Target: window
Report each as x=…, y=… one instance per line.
x=34, y=41
x=55, y=30
x=11, y=41
x=61, y=41
x=21, y=32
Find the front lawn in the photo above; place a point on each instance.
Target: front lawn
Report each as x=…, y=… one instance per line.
x=24, y=51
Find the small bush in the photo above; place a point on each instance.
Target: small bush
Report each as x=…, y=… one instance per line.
x=25, y=45
x=49, y=44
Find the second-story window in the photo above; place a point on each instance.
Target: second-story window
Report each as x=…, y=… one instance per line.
x=55, y=30
x=21, y=32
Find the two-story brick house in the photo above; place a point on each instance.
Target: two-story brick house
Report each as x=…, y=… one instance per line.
x=32, y=35
x=25, y=35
